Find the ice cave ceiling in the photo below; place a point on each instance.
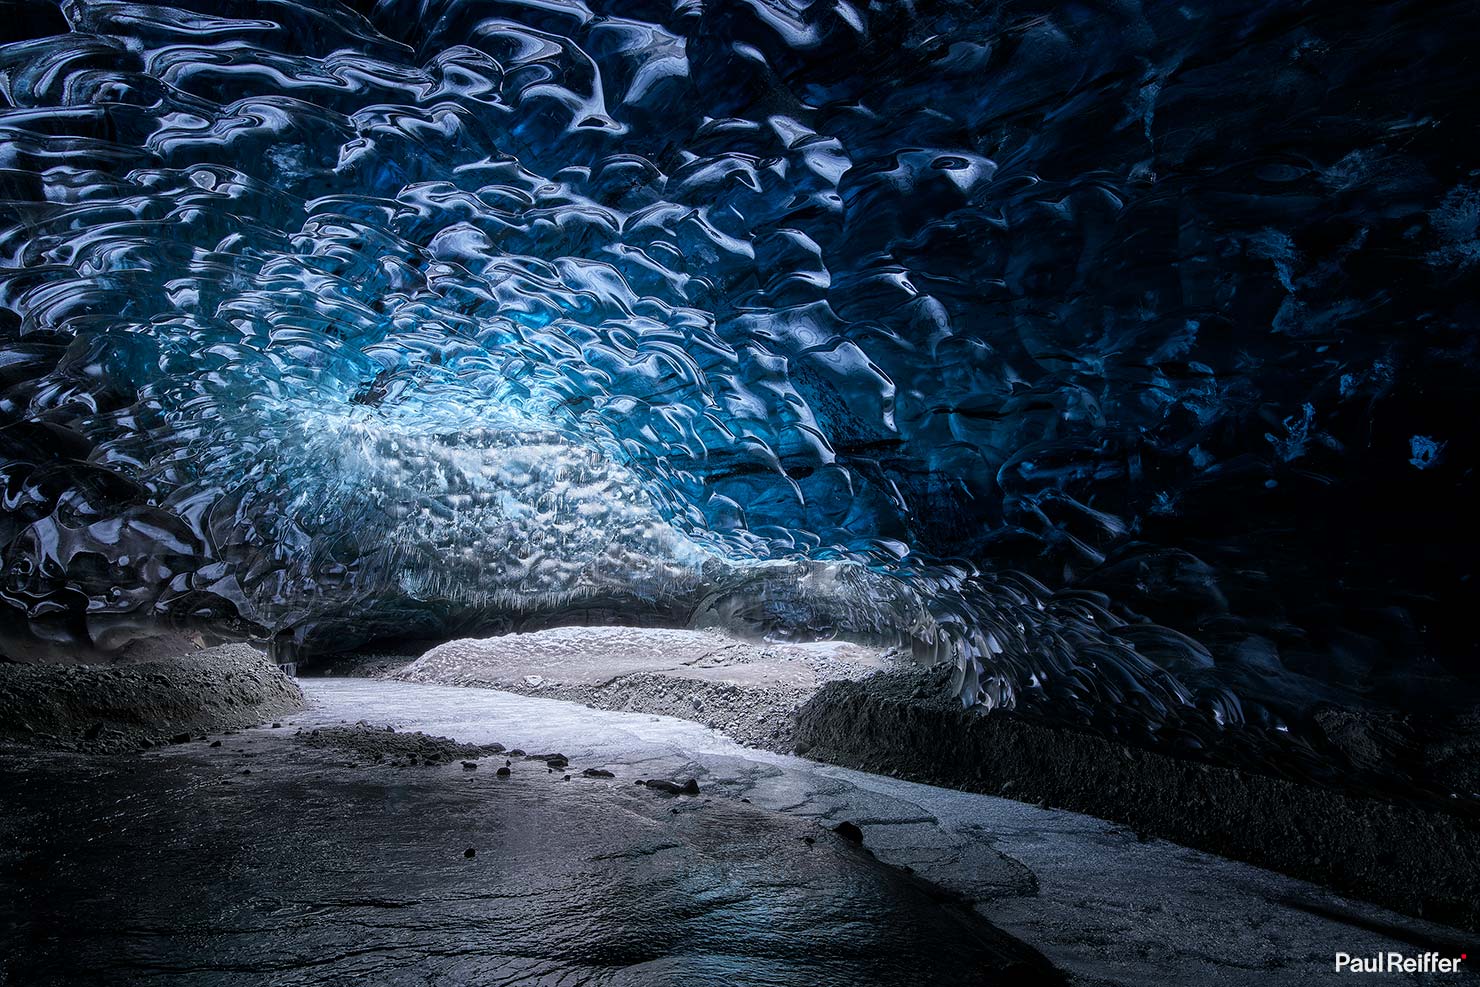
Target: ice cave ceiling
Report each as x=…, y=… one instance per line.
x=1122, y=350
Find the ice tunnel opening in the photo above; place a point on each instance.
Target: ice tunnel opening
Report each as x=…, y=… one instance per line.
x=793, y=491
x=1028, y=351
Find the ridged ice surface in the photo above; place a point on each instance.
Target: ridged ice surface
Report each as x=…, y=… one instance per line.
x=334, y=322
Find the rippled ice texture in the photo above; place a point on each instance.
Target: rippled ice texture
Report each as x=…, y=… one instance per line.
x=336, y=322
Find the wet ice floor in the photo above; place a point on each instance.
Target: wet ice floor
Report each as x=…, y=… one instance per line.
x=270, y=861
x=1091, y=897
x=310, y=871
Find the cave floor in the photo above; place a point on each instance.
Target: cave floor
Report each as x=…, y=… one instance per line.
x=270, y=859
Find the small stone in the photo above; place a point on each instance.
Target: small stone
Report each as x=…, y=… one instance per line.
x=180, y=738
x=503, y=772
x=566, y=778
x=597, y=773
x=470, y=853
x=849, y=831
x=277, y=726
x=215, y=743
x=470, y=765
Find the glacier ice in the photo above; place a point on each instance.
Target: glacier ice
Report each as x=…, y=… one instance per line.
x=1090, y=346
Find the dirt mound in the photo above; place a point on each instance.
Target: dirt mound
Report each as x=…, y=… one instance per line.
x=118, y=708
x=1409, y=857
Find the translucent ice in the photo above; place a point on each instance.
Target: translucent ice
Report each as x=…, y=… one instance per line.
x=1088, y=346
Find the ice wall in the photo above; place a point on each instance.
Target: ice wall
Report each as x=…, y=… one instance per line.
x=1123, y=351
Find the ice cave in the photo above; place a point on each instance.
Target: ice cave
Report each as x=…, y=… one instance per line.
x=745, y=492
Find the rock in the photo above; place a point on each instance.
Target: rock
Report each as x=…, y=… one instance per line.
x=503, y=772
x=516, y=752
x=849, y=831
x=180, y=738
x=215, y=743
x=277, y=726
x=597, y=773
x=470, y=765
x=690, y=787
x=470, y=853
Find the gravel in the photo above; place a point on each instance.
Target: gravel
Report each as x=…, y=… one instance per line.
x=384, y=745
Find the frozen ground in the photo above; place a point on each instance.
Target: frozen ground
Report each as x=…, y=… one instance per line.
x=322, y=853
x=296, y=858
x=876, y=711
x=1099, y=903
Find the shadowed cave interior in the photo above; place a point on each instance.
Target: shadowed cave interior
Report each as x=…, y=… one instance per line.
x=1068, y=404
